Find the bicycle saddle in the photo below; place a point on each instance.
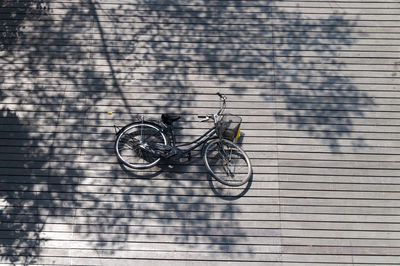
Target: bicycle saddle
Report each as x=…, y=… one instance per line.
x=169, y=118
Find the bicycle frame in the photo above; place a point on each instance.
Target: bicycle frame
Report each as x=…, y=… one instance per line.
x=193, y=144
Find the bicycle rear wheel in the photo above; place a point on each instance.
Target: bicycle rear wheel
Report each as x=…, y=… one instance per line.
x=227, y=162
x=128, y=145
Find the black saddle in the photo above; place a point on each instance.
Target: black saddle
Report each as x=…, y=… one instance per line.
x=169, y=118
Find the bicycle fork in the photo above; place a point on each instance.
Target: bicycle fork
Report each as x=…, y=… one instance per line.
x=226, y=159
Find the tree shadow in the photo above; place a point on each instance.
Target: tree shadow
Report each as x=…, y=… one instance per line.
x=69, y=76
x=313, y=82
x=30, y=193
x=12, y=16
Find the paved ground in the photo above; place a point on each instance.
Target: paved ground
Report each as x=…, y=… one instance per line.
x=317, y=84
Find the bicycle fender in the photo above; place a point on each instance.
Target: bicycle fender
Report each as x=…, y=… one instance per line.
x=135, y=123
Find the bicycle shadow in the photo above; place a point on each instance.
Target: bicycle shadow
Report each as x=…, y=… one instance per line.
x=229, y=193
x=140, y=174
x=220, y=190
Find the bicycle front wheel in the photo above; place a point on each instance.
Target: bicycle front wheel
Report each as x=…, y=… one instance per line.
x=227, y=162
x=131, y=138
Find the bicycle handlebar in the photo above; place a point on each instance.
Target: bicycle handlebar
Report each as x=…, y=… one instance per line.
x=223, y=103
x=222, y=96
x=220, y=111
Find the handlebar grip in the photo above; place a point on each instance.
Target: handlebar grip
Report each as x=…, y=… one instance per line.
x=221, y=96
x=204, y=117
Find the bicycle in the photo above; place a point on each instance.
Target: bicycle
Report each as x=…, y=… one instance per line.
x=142, y=144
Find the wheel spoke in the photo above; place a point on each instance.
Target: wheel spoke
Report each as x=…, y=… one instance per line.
x=128, y=145
x=153, y=134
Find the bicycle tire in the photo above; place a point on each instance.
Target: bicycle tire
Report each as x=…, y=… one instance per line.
x=130, y=137
x=227, y=162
